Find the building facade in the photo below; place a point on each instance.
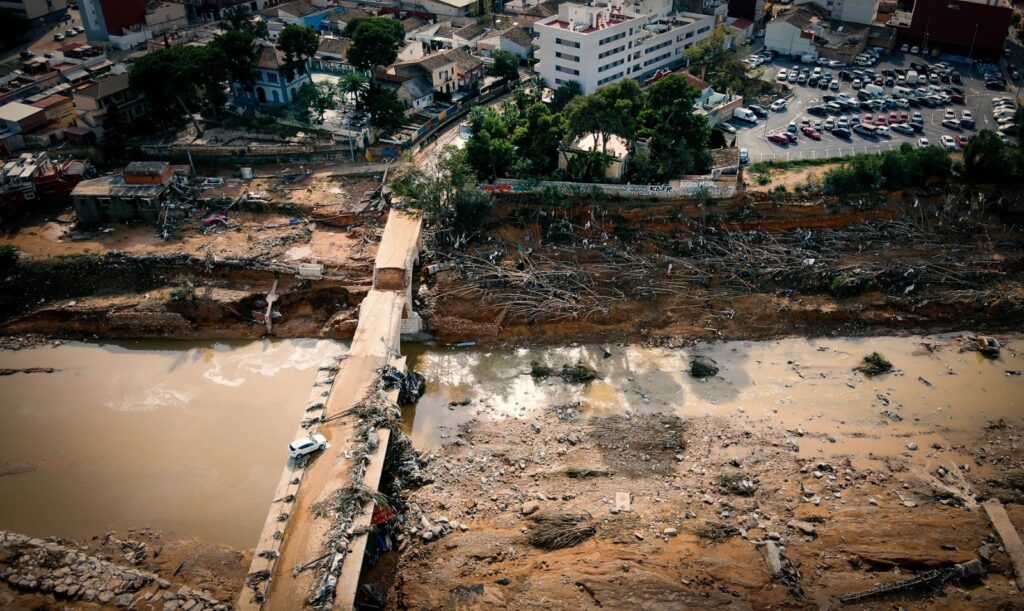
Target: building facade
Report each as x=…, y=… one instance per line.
x=600, y=44
x=975, y=27
x=36, y=10
x=853, y=11
x=271, y=87
x=93, y=102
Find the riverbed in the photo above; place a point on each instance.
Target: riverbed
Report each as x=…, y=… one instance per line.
x=188, y=438
x=939, y=388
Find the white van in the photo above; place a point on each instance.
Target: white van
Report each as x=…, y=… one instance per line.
x=808, y=58
x=912, y=77
x=874, y=90
x=745, y=114
x=901, y=92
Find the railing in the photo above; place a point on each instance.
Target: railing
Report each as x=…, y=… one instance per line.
x=688, y=188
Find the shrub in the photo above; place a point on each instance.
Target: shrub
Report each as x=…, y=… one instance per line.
x=874, y=364
x=703, y=367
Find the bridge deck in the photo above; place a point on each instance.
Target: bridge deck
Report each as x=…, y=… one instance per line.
x=376, y=343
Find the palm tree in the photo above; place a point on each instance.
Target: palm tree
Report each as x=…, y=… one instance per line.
x=352, y=87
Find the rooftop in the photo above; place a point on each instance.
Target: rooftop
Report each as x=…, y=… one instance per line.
x=105, y=87
x=146, y=168
x=16, y=111
x=114, y=186
x=617, y=147
x=300, y=8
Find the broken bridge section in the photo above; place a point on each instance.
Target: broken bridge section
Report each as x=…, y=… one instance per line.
x=293, y=538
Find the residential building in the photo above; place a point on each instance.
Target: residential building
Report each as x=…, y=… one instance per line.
x=468, y=67
x=59, y=110
x=793, y=30
x=964, y=27
x=439, y=70
x=37, y=10
x=310, y=13
x=516, y=40
x=93, y=102
x=447, y=8
x=165, y=16
x=747, y=9
x=105, y=18
x=415, y=93
x=333, y=52
x=139, y=193
x=852, y=11
x=271, y=88
x=616, y=148
x=16, y=118
x=602, y=43
x=806, y=30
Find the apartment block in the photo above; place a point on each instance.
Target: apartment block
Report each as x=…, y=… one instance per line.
x=853, y=11
x=603, y=42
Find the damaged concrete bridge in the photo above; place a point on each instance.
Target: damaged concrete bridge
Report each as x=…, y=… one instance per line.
x=300, y=557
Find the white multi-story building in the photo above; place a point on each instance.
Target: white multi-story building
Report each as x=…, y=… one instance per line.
x=854, y=11
x=603, y=42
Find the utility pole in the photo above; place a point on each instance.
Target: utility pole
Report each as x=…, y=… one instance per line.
x=970, y=54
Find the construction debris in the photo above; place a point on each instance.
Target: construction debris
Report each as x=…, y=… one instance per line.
x=928, y=580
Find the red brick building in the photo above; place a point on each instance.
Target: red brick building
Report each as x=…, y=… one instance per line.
x=955, y=26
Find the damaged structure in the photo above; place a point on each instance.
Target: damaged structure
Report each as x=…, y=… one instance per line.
x=139, y=193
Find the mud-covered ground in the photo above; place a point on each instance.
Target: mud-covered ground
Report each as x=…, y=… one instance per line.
x=851, y=500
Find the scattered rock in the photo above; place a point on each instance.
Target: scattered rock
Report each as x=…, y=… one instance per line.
x=530, y=507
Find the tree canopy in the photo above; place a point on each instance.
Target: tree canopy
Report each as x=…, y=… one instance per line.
x=239, y=55
x=505, y=66
x=180, y=81
x=298, y=43
x=446, y=192
x=565, y=94
x=386, y=111
x=375, y=41
x=316, y=99
x=719, y=66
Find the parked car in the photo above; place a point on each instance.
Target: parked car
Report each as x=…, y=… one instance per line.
x=923, y=142
x=948, y=142
x=727, y=128
x=26, y=54
x=961, y=141
x=744, y=155
x=778, y=139
x=791, y=127
x=904, y=129
x=307, y=445
x=779, y=105
x=757, y=110
x=841, y=132
x=904, y=48
x=812, y=133
x=915, y=50
x=951, y=124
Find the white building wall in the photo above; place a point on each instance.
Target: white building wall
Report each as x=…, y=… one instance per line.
x=854, y=11
x=784, y=38
x=614, y=52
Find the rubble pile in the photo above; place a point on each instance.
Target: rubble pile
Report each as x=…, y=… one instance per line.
x=68, y=574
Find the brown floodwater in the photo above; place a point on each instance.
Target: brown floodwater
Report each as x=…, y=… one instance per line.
x=184, y=437
x=803, y=390
x=189, y=438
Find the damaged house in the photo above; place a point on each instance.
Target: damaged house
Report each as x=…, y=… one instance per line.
x=139, y=193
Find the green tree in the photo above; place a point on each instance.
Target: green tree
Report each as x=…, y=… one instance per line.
x=678, y=138
x=386, y=111
x=447, y=192
x=986, y=158
x=538, y=139
x=375, y=41
x=587, y=166
x=612, y=110
x=239, y=18
x=565, y=94
x=719, y=66
x=352, y=87
x=239, y=52
x=316, y=99
x=505, y=66
x=180, y=81
x=490, y=151
x=298, y=43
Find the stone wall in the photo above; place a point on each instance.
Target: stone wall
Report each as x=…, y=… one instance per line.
x=69, y=575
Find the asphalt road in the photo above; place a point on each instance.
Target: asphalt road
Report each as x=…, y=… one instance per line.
x=754, y=138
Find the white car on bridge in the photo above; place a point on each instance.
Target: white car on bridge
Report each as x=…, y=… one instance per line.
x=307, y=445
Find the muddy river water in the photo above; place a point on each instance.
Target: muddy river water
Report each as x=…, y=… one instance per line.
x=189, y=438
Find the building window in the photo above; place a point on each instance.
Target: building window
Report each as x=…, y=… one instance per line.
x=609, y=79
x=573, y=58
x=568, y=43
x=655, y=60
x=571, y=71
x=615, y=63
x=609, y=39
x=271, y=77
x=661, y=45
x=611, y=52
x=704, y=29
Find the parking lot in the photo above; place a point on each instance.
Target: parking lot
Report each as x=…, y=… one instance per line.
x=978, y=100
